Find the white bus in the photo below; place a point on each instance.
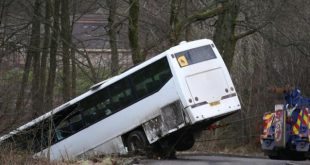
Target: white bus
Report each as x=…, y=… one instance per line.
x=158, y=104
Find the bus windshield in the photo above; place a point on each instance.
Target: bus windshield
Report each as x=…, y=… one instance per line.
x=195, y=55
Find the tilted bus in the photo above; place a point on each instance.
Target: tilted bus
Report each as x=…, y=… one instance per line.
x=160, y=103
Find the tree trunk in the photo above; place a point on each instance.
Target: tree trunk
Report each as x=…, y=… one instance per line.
x=112, y=37
x=188, y=36
x=24, y=83
x=174, y=10
x=46, y=45
x=224, y=36
x=3, y=5
x=3, y=10
x=66, y=42
x=73, y=62
x=53, y=52
x=73, y=73
x=35, y=50
x=133, y=32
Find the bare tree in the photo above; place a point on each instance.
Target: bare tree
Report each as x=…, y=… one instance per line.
x=53, y=52
x=66, y=43
x=133, y=32
x=45, y=52
x=32, y=53
x=35, y=51
x=178, y=25
x=72, y=52
x=112, y=32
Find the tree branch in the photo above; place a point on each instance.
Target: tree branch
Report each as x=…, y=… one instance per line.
x=249, y=32
x=200, y=16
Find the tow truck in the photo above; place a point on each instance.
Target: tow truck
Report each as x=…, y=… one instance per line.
x=286, y=131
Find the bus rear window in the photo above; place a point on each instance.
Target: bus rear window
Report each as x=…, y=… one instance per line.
x=195, y=55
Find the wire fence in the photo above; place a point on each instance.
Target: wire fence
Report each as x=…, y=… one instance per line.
x=227, y=138
x=224, y=137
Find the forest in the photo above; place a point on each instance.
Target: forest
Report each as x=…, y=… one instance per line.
x=54, y=50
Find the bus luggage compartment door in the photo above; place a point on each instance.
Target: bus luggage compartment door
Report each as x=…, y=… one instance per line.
x=170, y=120
x=207, y=86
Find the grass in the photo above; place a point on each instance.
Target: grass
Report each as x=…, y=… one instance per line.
x=15, y=157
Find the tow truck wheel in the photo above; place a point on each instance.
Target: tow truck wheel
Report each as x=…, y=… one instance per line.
x=137, y=142
x=287, y=155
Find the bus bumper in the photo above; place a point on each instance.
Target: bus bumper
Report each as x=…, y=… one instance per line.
x=207, y=111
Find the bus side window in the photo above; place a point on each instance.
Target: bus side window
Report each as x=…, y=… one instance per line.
x=101, y=108
x=69, y=126
x=120, y=95
x=161, y=74
x=95, y=106
x=151, y=78
x=63, y=130
x=138, y=80
x=162, y=71
x=89, y=115
x=76, y=123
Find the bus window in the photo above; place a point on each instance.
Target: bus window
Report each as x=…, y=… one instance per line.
x=195, y=55
x=102, y=108
x=161, y=72
x=69, y=126
x=140, y=79
x=95, y=107
x=151, y=78
x=63, y=130
x=89, y=115
x=76, y=123
x=121, y=95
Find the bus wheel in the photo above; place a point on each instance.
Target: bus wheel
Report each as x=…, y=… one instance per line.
x=274, y=157
x=185, y=143
x=137, y=142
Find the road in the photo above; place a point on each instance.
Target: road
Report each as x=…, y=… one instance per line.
x=205, y=159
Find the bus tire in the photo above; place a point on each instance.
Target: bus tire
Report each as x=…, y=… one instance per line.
x=186, y=143
x=137, y=142
x=274, y=157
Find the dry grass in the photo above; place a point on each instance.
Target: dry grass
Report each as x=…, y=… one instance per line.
x=242, y=150
x=14, y=157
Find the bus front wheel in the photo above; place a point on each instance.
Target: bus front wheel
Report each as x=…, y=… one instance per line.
x=137, y=142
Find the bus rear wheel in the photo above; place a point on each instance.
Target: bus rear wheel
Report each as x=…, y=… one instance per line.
x=185, y=143
x=137, y=142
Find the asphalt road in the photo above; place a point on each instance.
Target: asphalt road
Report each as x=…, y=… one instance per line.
x=221, y=160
